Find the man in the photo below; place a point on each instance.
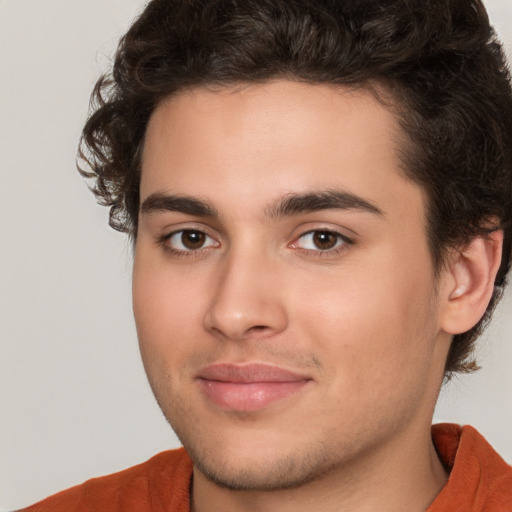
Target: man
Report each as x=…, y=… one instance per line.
x=320, y=200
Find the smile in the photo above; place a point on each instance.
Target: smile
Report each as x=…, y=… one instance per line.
x=249, y=387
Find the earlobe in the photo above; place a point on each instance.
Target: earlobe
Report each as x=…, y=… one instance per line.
x=470, y=282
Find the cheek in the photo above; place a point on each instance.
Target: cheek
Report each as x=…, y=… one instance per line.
x=376, y=363
x=372, y=328
x=167, y=313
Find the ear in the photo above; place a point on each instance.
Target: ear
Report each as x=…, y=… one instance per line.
x=469, y=282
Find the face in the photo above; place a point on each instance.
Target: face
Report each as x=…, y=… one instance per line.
x=283, y=287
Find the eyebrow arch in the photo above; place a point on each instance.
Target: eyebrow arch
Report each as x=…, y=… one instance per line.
x=161, y=202
x=294, y=204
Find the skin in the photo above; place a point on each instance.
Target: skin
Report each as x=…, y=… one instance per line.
x=363, y=321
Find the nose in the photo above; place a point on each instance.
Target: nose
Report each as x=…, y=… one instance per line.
x=247, y=301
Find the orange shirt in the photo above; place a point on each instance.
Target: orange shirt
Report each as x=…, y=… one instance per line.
x=480, y=481
x=160, y=484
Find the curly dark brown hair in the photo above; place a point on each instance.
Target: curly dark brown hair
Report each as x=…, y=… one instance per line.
x=438, y=60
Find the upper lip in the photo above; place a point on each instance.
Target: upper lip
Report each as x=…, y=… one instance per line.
x=247, y=373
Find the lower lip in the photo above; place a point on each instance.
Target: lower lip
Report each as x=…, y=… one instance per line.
x=249, y=396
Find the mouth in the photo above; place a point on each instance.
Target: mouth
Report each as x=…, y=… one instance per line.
x=248, y=387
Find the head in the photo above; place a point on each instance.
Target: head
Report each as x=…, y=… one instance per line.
x=436, y=65
x=199, y=117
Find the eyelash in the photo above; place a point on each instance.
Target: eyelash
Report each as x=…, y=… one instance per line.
x=164, y=242
x=342, y=242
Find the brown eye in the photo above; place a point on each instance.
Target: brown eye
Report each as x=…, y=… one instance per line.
x=192, y=239
x=322, y=240
x=325, y=240
x=189, y=240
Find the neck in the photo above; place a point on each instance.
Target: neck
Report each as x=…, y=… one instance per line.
x=403, y=474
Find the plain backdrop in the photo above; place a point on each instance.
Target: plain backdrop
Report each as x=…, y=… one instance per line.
x=74, y=402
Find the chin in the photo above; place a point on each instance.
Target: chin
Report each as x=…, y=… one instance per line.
x=262, y=468
x=277, y=474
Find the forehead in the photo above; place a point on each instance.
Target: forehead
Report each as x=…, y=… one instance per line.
x=266, y=140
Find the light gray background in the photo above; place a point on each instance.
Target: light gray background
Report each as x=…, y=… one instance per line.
x=74, y=402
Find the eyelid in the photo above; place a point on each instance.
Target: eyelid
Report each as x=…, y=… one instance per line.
x=186, y=249
x=164, y=241
x=341, y=243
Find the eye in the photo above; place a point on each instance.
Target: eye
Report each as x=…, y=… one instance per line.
x=188, y=240
x=321, y=240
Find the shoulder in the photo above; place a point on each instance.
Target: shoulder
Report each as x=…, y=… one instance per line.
x=495, y=475
x=480, y=480
x=157, y=484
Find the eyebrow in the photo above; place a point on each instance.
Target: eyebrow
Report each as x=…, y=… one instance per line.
x=160, y=202
x=294, y=204
x=291, y=204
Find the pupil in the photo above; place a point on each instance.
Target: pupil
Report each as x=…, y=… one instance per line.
x=324, y=239
x=192, y=239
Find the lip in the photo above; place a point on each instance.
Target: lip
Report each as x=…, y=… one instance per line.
x=248, y=387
